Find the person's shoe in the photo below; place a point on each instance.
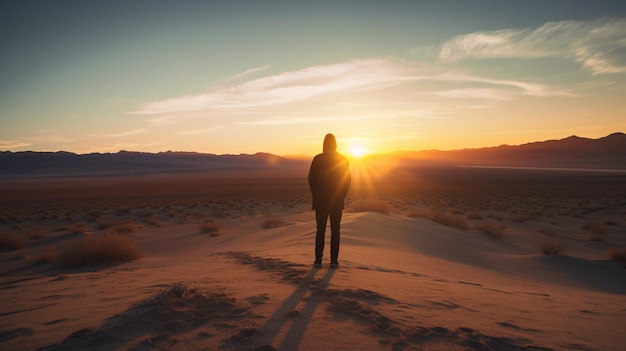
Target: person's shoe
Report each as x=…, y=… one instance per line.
x=334, y=264
x=317, y=264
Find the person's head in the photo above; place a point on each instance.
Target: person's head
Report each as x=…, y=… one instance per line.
x=330, y=143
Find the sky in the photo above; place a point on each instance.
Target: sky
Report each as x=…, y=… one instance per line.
x=230, y=77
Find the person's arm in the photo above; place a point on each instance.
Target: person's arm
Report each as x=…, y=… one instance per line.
x=347, y=180
x=313, y=176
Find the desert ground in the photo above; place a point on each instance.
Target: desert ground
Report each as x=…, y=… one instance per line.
x=431, y=259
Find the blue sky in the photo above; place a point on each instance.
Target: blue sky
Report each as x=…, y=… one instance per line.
x=275, y=76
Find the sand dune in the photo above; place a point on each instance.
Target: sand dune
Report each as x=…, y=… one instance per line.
x=404, y=284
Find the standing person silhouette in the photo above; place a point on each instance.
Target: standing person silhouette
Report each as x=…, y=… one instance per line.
x=329, y=181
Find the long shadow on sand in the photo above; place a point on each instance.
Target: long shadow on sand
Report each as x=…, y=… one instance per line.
x=294, y=335
x=159, y=321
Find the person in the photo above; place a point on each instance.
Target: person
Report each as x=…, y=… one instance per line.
x=329, y=181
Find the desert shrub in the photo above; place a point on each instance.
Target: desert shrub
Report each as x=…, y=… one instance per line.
x=154, y=221
x=124, y=227
x=549, y=247
x=47, y=255
x=595, y=231
x=548, y=231
x=104, y=225
x=611, y=222
x=616, y=254
x=519, y=219
x=475, y=215
x=75, y=228
x=11, y=242
x=441, y=218
x=369, y=205
x=210, y=227
x=494, y=231
x=271, y=223
x=122, y=211
x=98, y=249
x=36, y=234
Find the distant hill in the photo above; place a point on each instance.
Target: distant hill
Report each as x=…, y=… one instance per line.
x=572, y=152
x=35, y=164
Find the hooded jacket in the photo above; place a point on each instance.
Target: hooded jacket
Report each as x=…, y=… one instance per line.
x=329, y=177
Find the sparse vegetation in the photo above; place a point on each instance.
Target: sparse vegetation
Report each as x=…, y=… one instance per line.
x=125, y=227
x=475, y=216
x=595, y=231
x=442, y=218
x=154, y=221
x=617, y=254
x=550, y=247
x=96, y=249
x=494, y=231
x=76, y=228
x=369, y=205
x=47, y=255
x=36, y=234
x=11, y=242
x=271, y=223
x=210, y=227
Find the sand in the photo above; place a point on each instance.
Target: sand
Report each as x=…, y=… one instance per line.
x=404, y=283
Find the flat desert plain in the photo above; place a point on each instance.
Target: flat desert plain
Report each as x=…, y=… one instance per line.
x=431, y=259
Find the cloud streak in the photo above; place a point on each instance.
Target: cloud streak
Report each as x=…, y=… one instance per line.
x=12, y=144
x=246, y=73
x=301, y=120
x=129, y=133
x=294, y=86
x=599, y=45
x=324, y=80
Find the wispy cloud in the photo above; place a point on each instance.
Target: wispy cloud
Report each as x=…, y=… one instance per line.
x=246, y=73
x=599, y=45
x=475, y=93
x=200, y=131
x=301, y=120
x=527, y=88
x=12, y=144
x=290, y=87
x=348, y=77
x=128, y=133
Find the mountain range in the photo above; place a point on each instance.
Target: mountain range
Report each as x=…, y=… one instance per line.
x=572, y=152
x=608, y=152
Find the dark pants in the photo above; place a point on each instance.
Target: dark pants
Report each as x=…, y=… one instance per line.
x=321, y=216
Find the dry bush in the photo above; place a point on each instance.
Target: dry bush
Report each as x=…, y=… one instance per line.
x=11, y=242
x=36, y=234
x=548, y=231
x=494, y=231
x=595, y=231
x=549, y=247
x=475, y=215
x=98, y=249
x=47, y=255
x=271, y=223
x=76, y=228
x=122, y=211
x=124, y=227
x=154, y=221
x=443, y=219
x=211, y=227
x=616, y=254
x=369, y=205
x=104, y=225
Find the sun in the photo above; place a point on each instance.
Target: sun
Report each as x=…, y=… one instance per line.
x=357, y=151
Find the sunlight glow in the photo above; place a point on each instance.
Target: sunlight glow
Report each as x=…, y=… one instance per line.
x=357, y=151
